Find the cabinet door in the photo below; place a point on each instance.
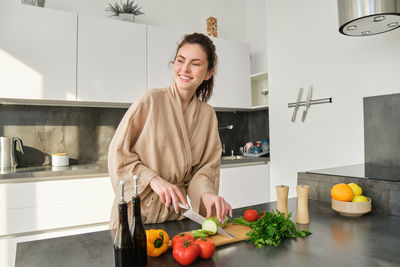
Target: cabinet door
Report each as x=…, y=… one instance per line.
x=161, y=49
x=36, y=206
x=232, y=80
x=111, y=60
x=245, y=186
x=37, y=53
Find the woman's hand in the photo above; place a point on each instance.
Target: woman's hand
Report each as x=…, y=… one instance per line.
x=222, y=207
x=168, y=193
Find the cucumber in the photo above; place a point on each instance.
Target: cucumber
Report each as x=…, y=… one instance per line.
x=200, y=233
x=211, y=225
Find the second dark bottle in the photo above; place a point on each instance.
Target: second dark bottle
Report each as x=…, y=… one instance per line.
x=137, y=230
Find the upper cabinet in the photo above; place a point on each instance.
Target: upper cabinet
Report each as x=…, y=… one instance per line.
x=37, y=53
x=232, y=80
x=111, y=60
x=161, y=48
x=47, y=54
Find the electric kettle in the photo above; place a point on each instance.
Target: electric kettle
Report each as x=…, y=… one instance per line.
x=7, y=152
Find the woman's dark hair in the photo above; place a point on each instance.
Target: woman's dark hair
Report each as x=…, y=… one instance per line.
x=205, y=89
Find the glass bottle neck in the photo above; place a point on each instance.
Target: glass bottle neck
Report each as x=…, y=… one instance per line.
x=123, y=213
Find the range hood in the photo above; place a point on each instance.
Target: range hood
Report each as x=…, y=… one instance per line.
x=368, y=17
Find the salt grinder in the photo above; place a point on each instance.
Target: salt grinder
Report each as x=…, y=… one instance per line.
x=302, y=204
x=282, y=192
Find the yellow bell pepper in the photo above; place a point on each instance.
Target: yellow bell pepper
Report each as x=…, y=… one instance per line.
x=157, y=242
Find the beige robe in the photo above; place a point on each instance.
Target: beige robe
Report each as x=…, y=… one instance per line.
x=154, y=138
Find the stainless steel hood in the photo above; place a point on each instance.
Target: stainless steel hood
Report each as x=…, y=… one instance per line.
x=368, y=17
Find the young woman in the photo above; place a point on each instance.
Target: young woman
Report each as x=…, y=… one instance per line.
x=169, y=138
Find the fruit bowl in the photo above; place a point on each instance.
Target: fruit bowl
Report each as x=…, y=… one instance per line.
x=351, y=209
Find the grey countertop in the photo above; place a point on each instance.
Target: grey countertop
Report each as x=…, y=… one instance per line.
x=364, y=171
x=78, y=171
x=370, y=240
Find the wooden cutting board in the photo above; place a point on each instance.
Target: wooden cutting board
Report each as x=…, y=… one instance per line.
x=239, y=231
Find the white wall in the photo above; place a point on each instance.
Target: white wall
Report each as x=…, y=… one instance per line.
x=304, y=47
x=238, y=20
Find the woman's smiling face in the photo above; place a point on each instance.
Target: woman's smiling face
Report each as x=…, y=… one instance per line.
x=190, y=67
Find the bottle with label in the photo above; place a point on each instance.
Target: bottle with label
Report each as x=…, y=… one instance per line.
x=123, y=249
x=137, y=230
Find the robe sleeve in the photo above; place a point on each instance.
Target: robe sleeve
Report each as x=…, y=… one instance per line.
x=205, y=175
x=123, y=162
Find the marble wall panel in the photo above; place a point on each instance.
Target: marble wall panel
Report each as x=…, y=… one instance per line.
x=85, y=132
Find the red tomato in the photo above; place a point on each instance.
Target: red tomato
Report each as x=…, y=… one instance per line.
x=188, y=236
x=185, y=251
x=250, y=215
x=206, y=246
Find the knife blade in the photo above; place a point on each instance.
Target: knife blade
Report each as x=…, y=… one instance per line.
x=307, y=104
x=296, y=108
x=194, y=216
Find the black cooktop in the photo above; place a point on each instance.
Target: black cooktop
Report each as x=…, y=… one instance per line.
x=366, y=171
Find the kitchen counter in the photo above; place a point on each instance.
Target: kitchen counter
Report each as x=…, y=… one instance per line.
x=370, y=240
x=379, y=182
x=93, y=170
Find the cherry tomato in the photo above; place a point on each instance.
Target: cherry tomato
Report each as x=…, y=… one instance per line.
x=250, y=215
x=206, y=246
x=185, y=251
x=188, y=236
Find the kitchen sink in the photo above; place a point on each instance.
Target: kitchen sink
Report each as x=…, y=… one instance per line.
x=232, y=157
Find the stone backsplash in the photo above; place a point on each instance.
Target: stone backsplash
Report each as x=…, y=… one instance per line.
x=382, y=129
x=85, y=132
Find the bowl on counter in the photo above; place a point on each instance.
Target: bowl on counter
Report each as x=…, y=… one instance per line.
x=352, y=209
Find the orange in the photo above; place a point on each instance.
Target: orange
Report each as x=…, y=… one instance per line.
x=342, y=192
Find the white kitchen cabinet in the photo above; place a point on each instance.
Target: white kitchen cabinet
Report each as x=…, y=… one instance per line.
x=232, y=79
x=37, y=206
x=37, y=52
x=111, y=60
x=245, y=186
x=161, y=48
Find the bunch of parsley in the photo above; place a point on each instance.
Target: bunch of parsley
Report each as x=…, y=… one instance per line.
x=272, y=228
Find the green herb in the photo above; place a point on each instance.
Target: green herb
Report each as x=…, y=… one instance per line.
x=272, y=228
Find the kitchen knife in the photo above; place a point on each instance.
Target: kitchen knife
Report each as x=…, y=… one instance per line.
x=296, y=108
x=200, y=219
x=307, y=105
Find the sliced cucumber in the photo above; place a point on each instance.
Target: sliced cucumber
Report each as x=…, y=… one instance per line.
x=210, y=225
x=200, y=233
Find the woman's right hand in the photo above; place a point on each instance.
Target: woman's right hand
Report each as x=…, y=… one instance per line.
x=168, y=193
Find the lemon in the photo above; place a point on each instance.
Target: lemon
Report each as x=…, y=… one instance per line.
x=360, y=199
x=357, y=191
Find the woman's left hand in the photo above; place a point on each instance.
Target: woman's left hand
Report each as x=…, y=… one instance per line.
x=222, y=207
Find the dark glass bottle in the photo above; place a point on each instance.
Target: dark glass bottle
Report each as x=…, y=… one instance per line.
x=123, y=249
x=137, y=230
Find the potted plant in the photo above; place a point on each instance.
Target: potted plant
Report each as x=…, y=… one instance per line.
x=126, y=10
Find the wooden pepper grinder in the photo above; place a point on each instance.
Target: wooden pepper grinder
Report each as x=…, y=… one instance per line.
x=282, y=192
x=302, y=204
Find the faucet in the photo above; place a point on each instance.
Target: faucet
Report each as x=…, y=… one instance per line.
x=229, y=127
x=223, y=148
